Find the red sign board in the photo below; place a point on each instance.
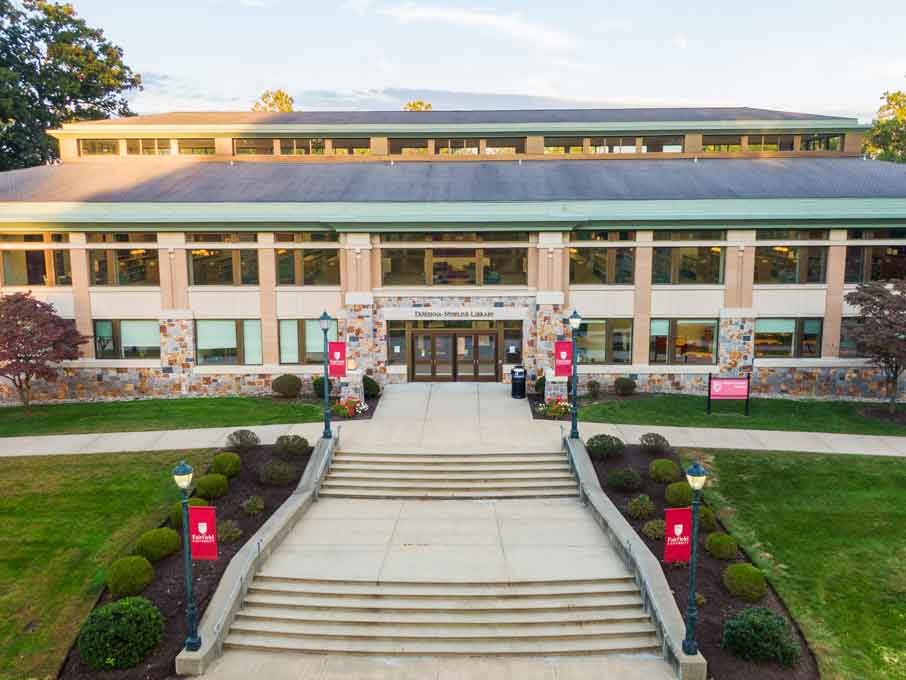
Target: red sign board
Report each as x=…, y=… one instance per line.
x=203, y=532
x=563, y=358
x=729, y=388
x=678, y=535
x=336, y=361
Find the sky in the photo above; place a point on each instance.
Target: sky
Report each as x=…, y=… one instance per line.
x=827, y=57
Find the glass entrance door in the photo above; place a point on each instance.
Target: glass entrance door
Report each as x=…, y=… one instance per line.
x=487, y=357
x=454, y=355
x=466, y=366
x=443, y=357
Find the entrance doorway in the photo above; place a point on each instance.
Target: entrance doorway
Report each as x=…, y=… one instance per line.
x=455, y=355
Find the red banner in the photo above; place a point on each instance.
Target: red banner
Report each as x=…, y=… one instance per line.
x=678, y=535
x=563, y=358
x=729, y=388
x=203, y=532
x=336, y=361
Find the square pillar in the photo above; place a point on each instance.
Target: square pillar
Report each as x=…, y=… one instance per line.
x=267, y=283
x=833, y=300
x=78, y=257
x=641, y=325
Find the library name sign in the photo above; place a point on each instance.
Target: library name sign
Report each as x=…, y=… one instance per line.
x=455, y=313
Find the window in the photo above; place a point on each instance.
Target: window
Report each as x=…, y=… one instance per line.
x=512, y=342
x=770, y=143
x=690, y=265
x=690, y=235
x=603, y=236
x=403, y=267
x=604, y=341
x=456, y=147
x=223, y=267
x=672, y=144
x=868, y=234
x=35, y=238
x=788, y=338
x=302, y=340
x=790, y=264
x=875, y=263
x=453, y=267
x=303, y=146
x=298, y=267
x=306, y=236
x=455, y=236
x=561, y=145
x=721, y=143
x=228, y=342
x=197, y=147
x=792, y=235
x=148, y=147
x=408, y=147
x=397, y=350
x=505, y=267
x=99, y=147
x=822, y=142
x=37, y=268
x=222, y=237
x=122, y=237
x=613, y=144
x=132, y=339
x=683, y=341
x=499, y=146
x=134, y=267
x=253, y=147
x=601, y=265
x=352, y=147
x=849, y=346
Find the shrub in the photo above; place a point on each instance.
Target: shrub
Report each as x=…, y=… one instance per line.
x=228, y=531
x=678, y=494
x=759, y=634
x=720, y=545
x=348, y=408
x=624, y=386
x=176, y=511
x=129, y=576
x=243, y=440
x=276, y=473
x=120, y=634
x=706, y=519
x=540, y=384
x=156, y=544
x=212, y=486
x=700, y=600
x=371, y=387
x=287, y=385
x=640, y=507
x=290, y=446
x=626, y=479
x=745, y=582
x=227, y=464
x=594, y=389
x=654, y=529
x=253, y=505
x=317, y=386
x=554, y=408
x=605, y=446
x=664, y=471
x=654, y=444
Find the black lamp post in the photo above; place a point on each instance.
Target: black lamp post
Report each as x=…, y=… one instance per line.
x=325, y=320
x=696, y=476
x=575, y=322
x=182, y=475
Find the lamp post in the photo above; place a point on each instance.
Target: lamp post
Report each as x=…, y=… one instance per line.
x=575, y=322
x=324, y=321
x=182, y=476
x=696, y=476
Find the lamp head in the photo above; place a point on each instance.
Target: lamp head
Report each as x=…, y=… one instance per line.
x=182, y=475
x=324, y=320
x=575, y=320
x=696, y=475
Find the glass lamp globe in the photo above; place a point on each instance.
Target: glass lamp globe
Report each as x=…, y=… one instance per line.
x=182, y=475
x=324, y=320
x=575, y=320
x=696, y=475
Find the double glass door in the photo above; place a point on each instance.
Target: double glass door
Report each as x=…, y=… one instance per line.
x=459, y=355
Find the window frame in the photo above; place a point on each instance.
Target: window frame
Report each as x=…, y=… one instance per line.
x=117, y=337
x=300, y=339
x=240, y=343
x=111, y=256
x=859, y=351
x=478, y=263
x=610, y=271
x=865, y=263
x=197, y=150
x=56, y=266
x=676, y=260
x=298, y=257
x=802, y=255
x=671, y=359
x=236, y=260
x=609, y=329
x=798, y=337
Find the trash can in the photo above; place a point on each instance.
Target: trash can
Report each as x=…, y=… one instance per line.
x=517, y=377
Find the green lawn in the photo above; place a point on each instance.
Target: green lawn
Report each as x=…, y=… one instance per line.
x=766, y=414
x=153, y=414
x=63, y=519
x=829, y=531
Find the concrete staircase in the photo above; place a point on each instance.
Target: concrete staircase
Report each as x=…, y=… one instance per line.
x=447, y=476
x=580, y=617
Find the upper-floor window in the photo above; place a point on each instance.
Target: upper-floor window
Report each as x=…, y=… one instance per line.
x=457, y=146
x=875, y=234
x=37, y=268
x=127, y=339
x=690, y=235
x=35, y=238
x=404, y=146
x=148, y=147
x=454, y=236
x=99, y=147
x=560, y=145
x=821, y=142
x=352, y=147
x=721, y=143
x=788, y=338
x=601, y=265
x=790, y=264
x=454, y=266
x=875, y=263
x=306, y=236
x=197, y=147
x=603, y=235
x=665, y=144
x=618, y=144
x=133, y=267
x=688, y=265
x=228, y=342
x=221, y=237
x=303, y=146
x=223, y=267
x=683, y=341
x=770, y=143
x=308, y=267
x=302, y=340
x=404, y=266
x=791, y=235
x=253, y=147
x=850, y=347
x=604, y=341
x=122, y=237
x=500, y=146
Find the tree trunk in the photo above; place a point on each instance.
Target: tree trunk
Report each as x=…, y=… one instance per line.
x=24, y=389
x=892, y=384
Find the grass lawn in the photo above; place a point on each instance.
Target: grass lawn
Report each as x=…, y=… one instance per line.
x=153, y=414
x=63, y=519
x=829, y=531
x=685, y=410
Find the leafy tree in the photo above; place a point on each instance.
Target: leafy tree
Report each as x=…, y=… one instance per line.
x=33, y=341
x=54, y=69
x=881, y=330
x=274, y=100
x=887, y=138
x=417, y=105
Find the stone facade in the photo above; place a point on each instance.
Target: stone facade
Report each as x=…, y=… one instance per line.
x=736, y=345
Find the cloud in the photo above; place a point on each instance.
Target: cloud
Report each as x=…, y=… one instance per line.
x=680, y=42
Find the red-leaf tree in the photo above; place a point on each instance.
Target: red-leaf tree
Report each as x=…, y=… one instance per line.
x=34, y=339
x=881, y=331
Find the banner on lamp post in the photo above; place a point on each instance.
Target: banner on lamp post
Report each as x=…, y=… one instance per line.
x=203, y=532
x=563, y=358
x=336, y=359
x=678, y=535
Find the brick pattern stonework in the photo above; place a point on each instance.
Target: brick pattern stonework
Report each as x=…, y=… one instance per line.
x=736, y=345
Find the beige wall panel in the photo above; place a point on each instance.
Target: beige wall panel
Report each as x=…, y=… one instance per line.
x=122, y=302
x=603, y=302
x=534, y=144
x=678, y=301
x=833, y=304
x=62, y=299
x=641, y=328
x=69, y=148
x=80, y=296
x=267, y=282
x=853, y=141
x=785, y=301
x=380, y=146
x=308, y=303
x=223, y=146
x=692, y=144
x=225, y=302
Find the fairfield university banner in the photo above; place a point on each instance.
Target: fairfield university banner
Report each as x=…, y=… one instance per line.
x=678, y=535
x=203, y=532
x=336, y=359
x=563, y=358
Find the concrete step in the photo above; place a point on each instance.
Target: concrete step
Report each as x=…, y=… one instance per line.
x=440, y=460
x=444, y=484
x=451, y=468
x=447, y=494
x=475, y=475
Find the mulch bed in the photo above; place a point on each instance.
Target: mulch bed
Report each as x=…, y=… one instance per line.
x=167, y=591
x=368, y=415
x=883, y=414
x=536, y=400
x=719, y=604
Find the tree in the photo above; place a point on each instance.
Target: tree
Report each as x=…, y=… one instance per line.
x=54, y=69
x=881, y=330
x=887, y=138
x=274, y=100
x=33, y=341
x=417, y=105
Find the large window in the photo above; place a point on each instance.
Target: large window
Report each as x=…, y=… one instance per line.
x=454, y=236
x=721, y=143
x=672, y=144
x=306, y=236
x=253, y=147
x=561, y=145
x=683, y=341
x=792, y=235
x=504, y=266
x=788, y=338
x=222, y=237
x=875, y=263
x=122, y=237
x=512, y=342
x=35, y=238
x=228, y=342
x=821, y=142
x=875, y=234
x=134, y=267
x=701, y=265
x=396, y=343
x=604, y=341
x=37, y=268
x=223, y=267
x=790, y=264
x=127, y=339
x=403, y=267
x=99, y=147
x=148, y=147
x=454, y=266
x=302, y=340
x=352, y=147
x=457, y=146
x=308, y=267
x=849, y=346
x=601, y=265
x=197, y=147
x=603, y=235
x=499, y=146
x=404, y=146
x=690, y=235
x=303, y=146
x=770, y=143
x=618, y=144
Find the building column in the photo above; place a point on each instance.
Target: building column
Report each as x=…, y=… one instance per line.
x=358, y=303
x=641, y=324
x=267, y=284
x=833, y=301
x=550, y=308
x=177, y=326
x=81, y=297
x=174, y=271
x=739, y=270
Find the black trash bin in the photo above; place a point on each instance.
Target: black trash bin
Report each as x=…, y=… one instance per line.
x=517, y=376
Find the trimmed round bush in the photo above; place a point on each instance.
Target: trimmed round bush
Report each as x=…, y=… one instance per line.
x=605, y=446
x=540, y=384
x=317, y=386
x=253, y=505
x=654, y=444
x=678, y=494
x=720, y=545
x=706, y=519
x=654, y=529
x=640, y=507
x=156, y=544
x=176, y=510
x=287, y=385
x=745, y=582
x=290, y=446
x=212, y=486
x=759, y=634
x=594, y=389
x=626, y=479
x=276, y=473
x=370, y=387
x=129, y=576
x=120, y=634
x=664, y=471
x=625, y=387
x=243, y=441
x=227, y=464
x=228, y=531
